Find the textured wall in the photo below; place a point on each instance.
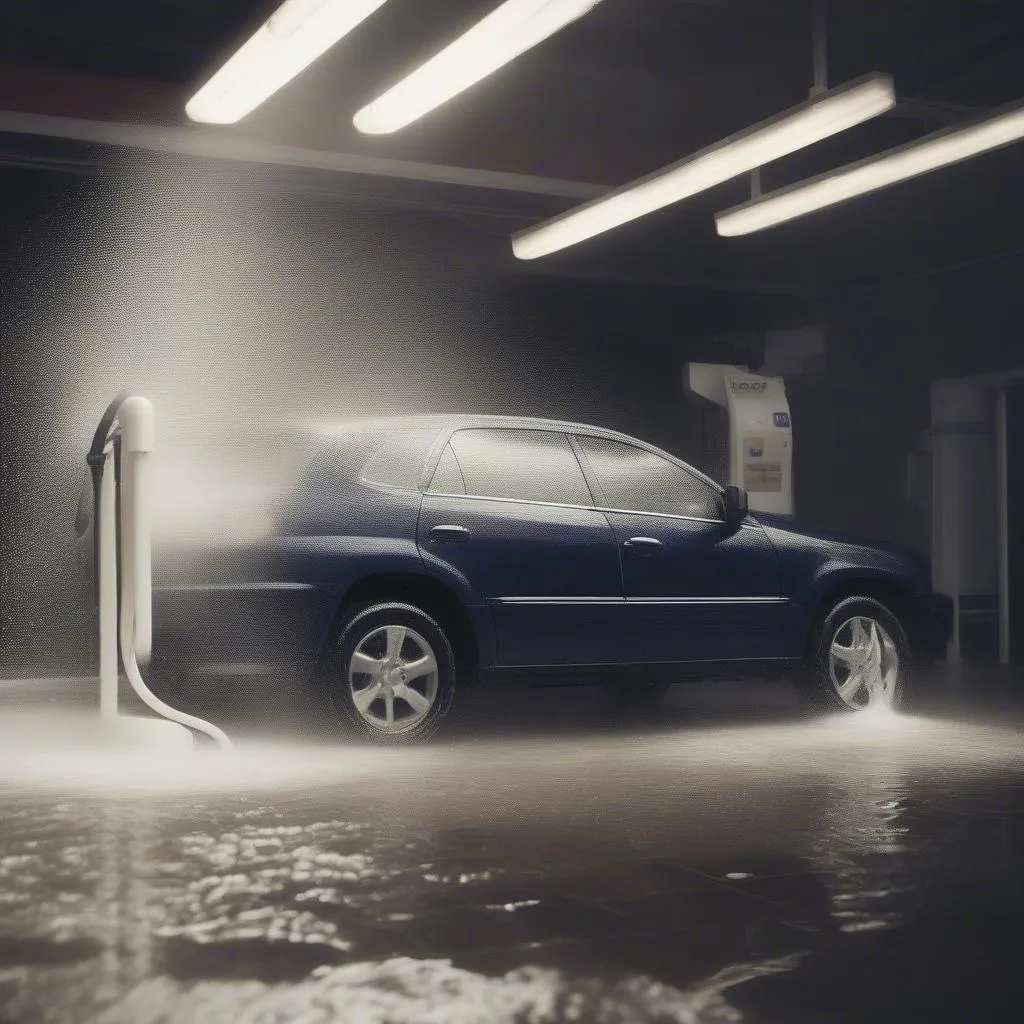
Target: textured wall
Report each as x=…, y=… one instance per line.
x=238, y=313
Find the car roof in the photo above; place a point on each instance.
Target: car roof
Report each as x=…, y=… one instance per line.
x=396, y=424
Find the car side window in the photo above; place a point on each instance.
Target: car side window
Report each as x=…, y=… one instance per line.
x=447, y=478
x=524, y=465
x=637, y=480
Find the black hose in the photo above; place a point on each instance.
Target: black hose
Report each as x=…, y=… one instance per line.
x=95, y=458
x=99, y=439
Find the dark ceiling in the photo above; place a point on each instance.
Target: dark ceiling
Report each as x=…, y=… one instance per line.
x=632, y=86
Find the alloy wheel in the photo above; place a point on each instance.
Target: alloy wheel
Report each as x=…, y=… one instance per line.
x=393, y=678
x=864, y=663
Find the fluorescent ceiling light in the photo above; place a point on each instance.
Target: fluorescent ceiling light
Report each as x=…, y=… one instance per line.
x=509, y=30
x=941, y=149
x=292, y=38
x=826, y=114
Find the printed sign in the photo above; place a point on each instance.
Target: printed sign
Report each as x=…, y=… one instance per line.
x=748, y=387
x=781, y=420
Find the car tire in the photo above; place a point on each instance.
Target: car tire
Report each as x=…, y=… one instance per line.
x=858, y=657
x=394, y=673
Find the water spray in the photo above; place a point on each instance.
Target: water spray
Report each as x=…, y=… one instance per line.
x=119, y=461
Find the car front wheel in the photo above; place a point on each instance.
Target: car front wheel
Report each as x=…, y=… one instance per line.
x=395, y=673
x=858, y=658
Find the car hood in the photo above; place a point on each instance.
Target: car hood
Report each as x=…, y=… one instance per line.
x=788, y=525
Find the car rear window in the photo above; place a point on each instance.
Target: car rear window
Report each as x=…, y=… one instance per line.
x=448, y=477
x=398, y=462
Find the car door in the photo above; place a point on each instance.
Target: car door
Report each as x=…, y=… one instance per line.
x=696, y=589
x=510, y=511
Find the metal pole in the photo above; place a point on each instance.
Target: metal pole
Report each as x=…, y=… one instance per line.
x=1002, y=528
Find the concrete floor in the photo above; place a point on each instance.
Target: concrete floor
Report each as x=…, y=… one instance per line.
x=724, y=858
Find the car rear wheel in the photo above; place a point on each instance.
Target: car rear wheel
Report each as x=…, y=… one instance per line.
x=857, y=659
x=394, y=674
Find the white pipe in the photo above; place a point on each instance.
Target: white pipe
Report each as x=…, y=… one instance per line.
x=138, y=439
x=137, y=426
x=106, y=523
x=150, y=699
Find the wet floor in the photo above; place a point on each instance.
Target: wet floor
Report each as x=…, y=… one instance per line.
x=550, y=859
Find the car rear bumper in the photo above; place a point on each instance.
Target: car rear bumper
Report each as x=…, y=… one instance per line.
x=934, y=627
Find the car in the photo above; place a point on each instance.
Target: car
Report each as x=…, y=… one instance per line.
x=419, y=554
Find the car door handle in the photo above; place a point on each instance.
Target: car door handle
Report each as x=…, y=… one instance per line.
x=645, y=546
x=449, y=535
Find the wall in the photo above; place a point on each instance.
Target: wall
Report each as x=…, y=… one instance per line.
x=238, y=313
x=241, y=314
x=859, y=422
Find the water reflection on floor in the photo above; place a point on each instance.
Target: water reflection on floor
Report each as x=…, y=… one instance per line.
x=549, y=865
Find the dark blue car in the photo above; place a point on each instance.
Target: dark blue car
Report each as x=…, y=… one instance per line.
x=419, y=554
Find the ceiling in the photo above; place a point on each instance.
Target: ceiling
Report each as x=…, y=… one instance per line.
x=632, y=86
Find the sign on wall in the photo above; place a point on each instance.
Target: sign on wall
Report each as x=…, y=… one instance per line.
x=761, y=441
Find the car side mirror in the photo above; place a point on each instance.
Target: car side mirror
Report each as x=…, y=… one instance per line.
x=736, y=506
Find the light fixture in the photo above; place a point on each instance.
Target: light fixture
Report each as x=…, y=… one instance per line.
x=509, y=30
x=941, y=149
x=825, y=114
x=292, y=38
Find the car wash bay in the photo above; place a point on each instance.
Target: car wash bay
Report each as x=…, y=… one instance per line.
x=553, y=855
